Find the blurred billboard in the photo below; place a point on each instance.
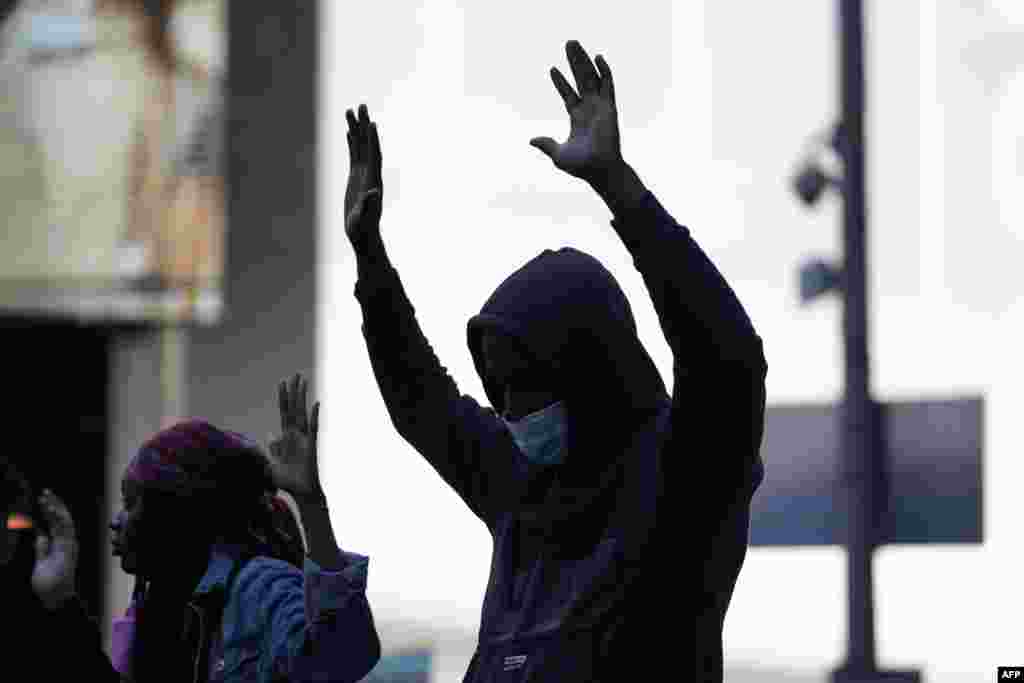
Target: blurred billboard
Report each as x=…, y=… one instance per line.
x=111, y=141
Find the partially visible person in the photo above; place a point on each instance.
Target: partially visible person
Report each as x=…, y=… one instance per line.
x=249, y=613
x=45, y=621
x=225, y=589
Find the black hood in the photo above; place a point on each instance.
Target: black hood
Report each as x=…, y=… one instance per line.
x=569, y=313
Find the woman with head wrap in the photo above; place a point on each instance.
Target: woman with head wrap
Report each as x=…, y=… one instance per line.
x=223, y=590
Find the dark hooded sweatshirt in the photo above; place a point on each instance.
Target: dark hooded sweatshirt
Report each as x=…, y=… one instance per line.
x=618, y=564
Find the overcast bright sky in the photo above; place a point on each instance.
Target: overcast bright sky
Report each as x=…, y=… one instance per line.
x=717, y=102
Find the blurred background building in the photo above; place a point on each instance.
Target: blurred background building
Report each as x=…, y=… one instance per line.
x=172, y=245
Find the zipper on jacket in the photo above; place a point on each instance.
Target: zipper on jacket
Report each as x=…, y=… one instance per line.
x=202, y=641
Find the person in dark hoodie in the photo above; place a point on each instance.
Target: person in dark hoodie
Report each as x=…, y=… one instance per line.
x=619, y=514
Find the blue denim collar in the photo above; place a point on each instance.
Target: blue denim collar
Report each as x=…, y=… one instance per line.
x=224, y=558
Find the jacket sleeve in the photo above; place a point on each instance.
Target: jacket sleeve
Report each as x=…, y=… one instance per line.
x=316, y=625
x=719, y=368
x=464, y=442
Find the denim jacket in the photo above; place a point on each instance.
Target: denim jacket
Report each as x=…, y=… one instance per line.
x=264, y=620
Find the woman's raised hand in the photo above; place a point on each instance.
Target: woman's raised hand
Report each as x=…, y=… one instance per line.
x=293, y=454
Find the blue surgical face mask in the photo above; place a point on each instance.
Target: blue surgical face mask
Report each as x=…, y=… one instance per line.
x=541, y=436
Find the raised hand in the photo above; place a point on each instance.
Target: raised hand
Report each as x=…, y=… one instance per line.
x=364, y=194
x=53, y=578
x=592, y=150
x=293, y=454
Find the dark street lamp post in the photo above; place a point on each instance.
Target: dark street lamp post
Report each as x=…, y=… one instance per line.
x=862, y=449
x=863, y=446
x=859, y=428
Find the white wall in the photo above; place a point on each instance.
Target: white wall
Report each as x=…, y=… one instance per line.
x=716, y=103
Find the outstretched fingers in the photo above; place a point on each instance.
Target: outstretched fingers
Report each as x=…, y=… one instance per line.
x=587, y=80
x=300, y=408
x=359, y=134
x=607, y=88
x=42, y=547
x=292, y=398
x=286, y=399
x=364, y=134
x=569, y=95
x=354, y=149
x=62, y=527
x=282, y=404
x=363, y=141
x=376, y=161
x=293, y=403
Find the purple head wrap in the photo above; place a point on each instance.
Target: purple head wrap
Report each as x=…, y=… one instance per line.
x=188, y=457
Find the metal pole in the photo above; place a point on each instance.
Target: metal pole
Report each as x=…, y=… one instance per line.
x=859, y=427
x=864, y=447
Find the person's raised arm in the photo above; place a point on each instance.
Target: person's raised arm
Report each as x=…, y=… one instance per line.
x=719, y=362
x=464, y=442
x=321, y=625
x=295, y=467
x=68, y=623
